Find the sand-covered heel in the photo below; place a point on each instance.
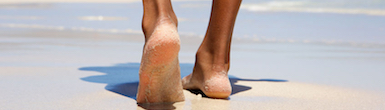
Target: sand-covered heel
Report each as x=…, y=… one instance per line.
x=217, y=87
x=159, y=72
x=163, y=46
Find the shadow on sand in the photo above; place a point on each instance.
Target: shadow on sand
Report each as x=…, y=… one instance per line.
x=123, y=79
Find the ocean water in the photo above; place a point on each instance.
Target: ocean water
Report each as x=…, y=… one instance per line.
x=333, y=20
x=327, y=21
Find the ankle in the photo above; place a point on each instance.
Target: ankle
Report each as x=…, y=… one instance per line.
x=207, y=61
x=149, y=23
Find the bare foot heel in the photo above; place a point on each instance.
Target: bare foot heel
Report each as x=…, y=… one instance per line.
x=214, y=84
x=159, y=73
x=217, y=86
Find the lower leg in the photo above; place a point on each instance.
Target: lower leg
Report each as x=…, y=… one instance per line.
x=155, y=11
x=213, y=56
x=159, y=73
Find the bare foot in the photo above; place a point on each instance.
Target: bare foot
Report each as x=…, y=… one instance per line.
x=211, y=80
x=159, y=73
x=213, y=56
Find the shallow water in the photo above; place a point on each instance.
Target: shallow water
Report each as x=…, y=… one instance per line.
x=318, y=21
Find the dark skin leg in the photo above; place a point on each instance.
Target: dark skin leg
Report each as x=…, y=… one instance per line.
x=159, y=73
x=213, y=56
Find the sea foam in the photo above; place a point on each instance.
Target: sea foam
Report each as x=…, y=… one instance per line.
x=309, y=7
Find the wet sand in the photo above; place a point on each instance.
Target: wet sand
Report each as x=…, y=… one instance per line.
x=45, y=69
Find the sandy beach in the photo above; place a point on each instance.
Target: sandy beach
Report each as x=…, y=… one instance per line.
x=89, y=60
